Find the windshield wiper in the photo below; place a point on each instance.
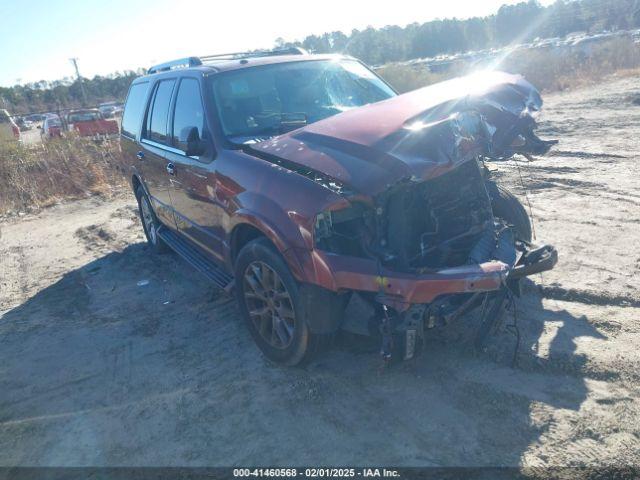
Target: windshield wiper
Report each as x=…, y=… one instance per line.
x=288, y=121
x=292, y=120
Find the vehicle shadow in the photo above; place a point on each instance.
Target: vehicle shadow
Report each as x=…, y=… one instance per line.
x=134, y=359
x=495, y=409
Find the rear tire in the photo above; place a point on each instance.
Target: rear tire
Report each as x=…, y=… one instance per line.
x=506, y=206
x=273, y=307
x=150, y=222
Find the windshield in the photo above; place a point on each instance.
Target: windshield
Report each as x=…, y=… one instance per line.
x=259, y=102
x=83, y=117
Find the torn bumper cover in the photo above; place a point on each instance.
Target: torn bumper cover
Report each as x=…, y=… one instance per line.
x=400, y=290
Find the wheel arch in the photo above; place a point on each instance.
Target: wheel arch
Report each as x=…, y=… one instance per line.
x=242, y=234
x=249, y=228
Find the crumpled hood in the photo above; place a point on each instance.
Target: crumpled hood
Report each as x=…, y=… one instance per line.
x=417, y=135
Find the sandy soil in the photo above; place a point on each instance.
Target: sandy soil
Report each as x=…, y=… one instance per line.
x=112, y=356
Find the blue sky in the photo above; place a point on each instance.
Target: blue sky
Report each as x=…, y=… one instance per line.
x=38, y=37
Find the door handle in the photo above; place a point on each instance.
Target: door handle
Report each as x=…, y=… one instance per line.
x=140, y=155
x=171, y=169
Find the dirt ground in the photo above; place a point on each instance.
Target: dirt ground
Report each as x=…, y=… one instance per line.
x=112, y=356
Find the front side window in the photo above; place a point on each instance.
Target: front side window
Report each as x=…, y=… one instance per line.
x=263, y=101
x=159, y=112
x=133, y=108
x=188, y=119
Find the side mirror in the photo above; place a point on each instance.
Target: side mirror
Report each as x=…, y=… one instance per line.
x=191, y=142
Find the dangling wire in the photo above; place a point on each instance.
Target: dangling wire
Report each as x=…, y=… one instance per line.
x=526, y=196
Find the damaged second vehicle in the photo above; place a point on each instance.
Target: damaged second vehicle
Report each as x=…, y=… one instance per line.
x=299, y=180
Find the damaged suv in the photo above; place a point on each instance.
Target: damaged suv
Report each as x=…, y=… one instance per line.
x=298, y=180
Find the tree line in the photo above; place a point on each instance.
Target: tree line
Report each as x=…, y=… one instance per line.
x=44, y=96
x=511, y=24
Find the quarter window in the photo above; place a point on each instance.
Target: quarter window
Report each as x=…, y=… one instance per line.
x=157, y=116
x=133, y=109
x=189, y=114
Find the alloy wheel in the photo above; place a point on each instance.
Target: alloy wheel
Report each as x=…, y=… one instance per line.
x=269, y=304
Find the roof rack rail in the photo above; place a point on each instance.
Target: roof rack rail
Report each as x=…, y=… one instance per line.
x=197, y=61
x=255, y=54
x=179, y=63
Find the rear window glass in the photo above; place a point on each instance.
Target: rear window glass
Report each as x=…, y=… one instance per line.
x=134, y=108
x=159, y=112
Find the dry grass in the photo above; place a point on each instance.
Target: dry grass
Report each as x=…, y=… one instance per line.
x=37, y=176
x=548, y=70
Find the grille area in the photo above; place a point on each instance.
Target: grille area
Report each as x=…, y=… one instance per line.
x=436, y=224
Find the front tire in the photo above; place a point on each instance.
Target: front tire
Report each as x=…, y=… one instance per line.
x=506, y=206
x=272, y=305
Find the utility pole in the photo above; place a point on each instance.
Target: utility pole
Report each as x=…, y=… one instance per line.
x=84, y=94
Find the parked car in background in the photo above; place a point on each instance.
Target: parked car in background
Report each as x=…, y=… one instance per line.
x=51, y=128
x=23, y=124
x=35, y=117
x=9, y=131
x=111, y=109
x=91, y=123
x=300, y=180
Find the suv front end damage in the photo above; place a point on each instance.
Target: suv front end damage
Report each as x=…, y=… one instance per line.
x=421, y=239
x=428, y=253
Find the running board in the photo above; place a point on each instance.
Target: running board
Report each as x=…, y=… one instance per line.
x=194, y=257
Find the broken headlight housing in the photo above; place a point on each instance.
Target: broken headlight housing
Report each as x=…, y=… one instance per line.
x=343, y=231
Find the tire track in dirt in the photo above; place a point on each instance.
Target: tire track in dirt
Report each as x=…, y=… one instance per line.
x=588, y=297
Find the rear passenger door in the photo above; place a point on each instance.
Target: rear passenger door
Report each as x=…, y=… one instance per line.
x=155, y=139
x=198, y=214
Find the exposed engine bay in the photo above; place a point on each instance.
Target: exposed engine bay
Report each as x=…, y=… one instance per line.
x=423, y=227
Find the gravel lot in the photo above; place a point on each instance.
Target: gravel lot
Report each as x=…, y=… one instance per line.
x=112, y=356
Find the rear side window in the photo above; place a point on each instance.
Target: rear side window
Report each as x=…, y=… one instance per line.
x=134, y=108
x=159, y=111
x=188, y=113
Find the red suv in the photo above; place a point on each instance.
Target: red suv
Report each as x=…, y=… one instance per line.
x=298, y=180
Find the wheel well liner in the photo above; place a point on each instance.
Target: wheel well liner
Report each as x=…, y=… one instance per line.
x=241, y=235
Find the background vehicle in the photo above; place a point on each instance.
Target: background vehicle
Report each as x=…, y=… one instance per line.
x=9, y=131
x=51, y=128
x=35, y=118
x=111, y=109
x=267, y=168
x=23, y=124
x=90, y=123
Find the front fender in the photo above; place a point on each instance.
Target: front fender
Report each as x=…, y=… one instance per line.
x=284, y=239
